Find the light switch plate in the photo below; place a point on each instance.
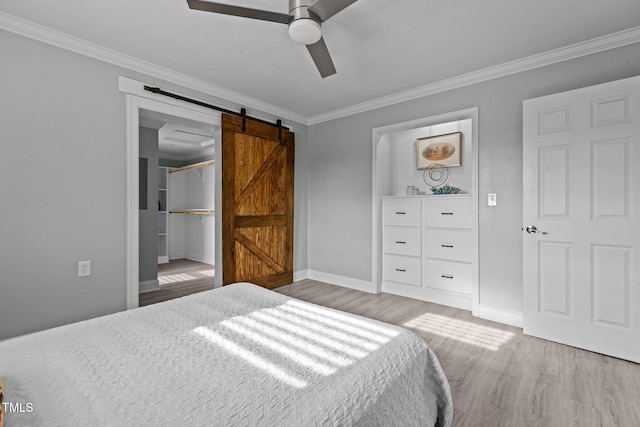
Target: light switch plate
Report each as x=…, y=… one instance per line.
x=492, y=199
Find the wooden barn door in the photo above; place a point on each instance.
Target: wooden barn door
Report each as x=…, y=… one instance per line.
x=257, y=203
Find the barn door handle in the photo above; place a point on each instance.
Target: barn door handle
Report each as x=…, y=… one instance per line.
x=446, y=213
x=400, y=242
x=447, y=276
x=401, y=213
x=447, y=246
x=402, y=270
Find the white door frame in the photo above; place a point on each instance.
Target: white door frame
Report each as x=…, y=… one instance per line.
x=376, y=204
x=140, y=99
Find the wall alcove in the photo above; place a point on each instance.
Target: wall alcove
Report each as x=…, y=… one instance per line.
x=394, y=168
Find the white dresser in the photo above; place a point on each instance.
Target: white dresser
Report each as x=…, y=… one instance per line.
x=428, y=248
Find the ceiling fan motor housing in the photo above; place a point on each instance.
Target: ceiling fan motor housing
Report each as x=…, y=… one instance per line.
x=305, y=26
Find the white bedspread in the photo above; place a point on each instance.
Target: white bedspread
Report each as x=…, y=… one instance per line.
x=236, y=356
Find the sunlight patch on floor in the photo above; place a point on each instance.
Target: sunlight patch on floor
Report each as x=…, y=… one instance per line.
x=460, y=330
x=167, y=279
x=174, y=278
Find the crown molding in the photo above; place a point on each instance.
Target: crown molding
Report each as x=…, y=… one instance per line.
x=46, y=35
x=588, y=47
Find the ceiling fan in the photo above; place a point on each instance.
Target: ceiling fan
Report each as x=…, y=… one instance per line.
x=304, y=20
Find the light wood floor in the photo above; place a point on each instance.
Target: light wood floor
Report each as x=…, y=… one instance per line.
x=178, y=278
x=498, y=376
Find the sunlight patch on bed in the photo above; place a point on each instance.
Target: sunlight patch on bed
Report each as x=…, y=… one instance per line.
x=295, y=342
x=313, y=330
x=460, y=330
x=356, y=331
x=253, y=359
x=290, y=354
x=174, y=278
x=304, y=345
x=345, y=318
x=309, y=334
x=319, y=324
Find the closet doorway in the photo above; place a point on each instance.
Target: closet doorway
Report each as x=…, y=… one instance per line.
x=177, y=206
x=146, y=110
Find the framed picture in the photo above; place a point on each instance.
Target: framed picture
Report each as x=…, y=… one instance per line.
x=440, y=149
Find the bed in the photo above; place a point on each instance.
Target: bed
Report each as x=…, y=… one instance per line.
x=237, y=356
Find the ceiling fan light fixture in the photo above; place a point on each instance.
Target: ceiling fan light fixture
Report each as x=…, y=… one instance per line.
x=305, y=31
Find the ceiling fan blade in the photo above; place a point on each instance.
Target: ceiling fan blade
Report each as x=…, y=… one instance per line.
x=320, y=55
x=325, y=9
x=239, y=11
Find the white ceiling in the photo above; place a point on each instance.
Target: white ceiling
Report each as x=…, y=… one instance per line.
x=179, y=138
x=379, y=47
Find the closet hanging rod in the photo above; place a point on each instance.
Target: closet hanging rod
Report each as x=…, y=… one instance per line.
x=193, y=211
x=194, y=166
x=242, y=113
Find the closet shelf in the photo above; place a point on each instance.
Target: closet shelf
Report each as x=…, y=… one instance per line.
x=194, y=166
x=193, y=211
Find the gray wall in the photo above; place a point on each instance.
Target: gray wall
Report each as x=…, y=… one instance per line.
x=148, y=231
x=340, y=169
x=62, y=175
x=63, y=189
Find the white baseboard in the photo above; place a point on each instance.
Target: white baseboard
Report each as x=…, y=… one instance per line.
x=436, y=296
x=199, y=258
x=344, y=281
x=300, y=275
x=488, y=312
x=501, y=315
x=148, y=286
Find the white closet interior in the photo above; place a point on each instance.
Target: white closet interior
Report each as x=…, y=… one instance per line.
x=191, y=201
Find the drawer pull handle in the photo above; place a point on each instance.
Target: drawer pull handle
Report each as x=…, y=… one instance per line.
x=446, y=213
x=446, y=276
x=401, y=270
x=401, y=213
x=400, y=242
x=447, y=246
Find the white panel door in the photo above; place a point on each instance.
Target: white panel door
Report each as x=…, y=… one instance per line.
x=581, y=211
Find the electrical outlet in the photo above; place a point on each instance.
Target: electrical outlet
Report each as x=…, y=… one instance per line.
x=84, y=268
x=492, y=199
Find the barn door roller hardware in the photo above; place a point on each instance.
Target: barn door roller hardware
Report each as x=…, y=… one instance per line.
x=242, y=113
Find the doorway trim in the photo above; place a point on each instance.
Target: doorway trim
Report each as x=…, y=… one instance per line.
x=139, y=99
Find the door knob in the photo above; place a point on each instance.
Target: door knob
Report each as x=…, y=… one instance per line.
x=532, y=229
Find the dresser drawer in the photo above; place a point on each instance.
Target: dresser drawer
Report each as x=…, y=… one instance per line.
x=402, y=212
x=452, y=245
x=402, y=241
x=402, y=269
x=448, y=276
x=443, y=212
